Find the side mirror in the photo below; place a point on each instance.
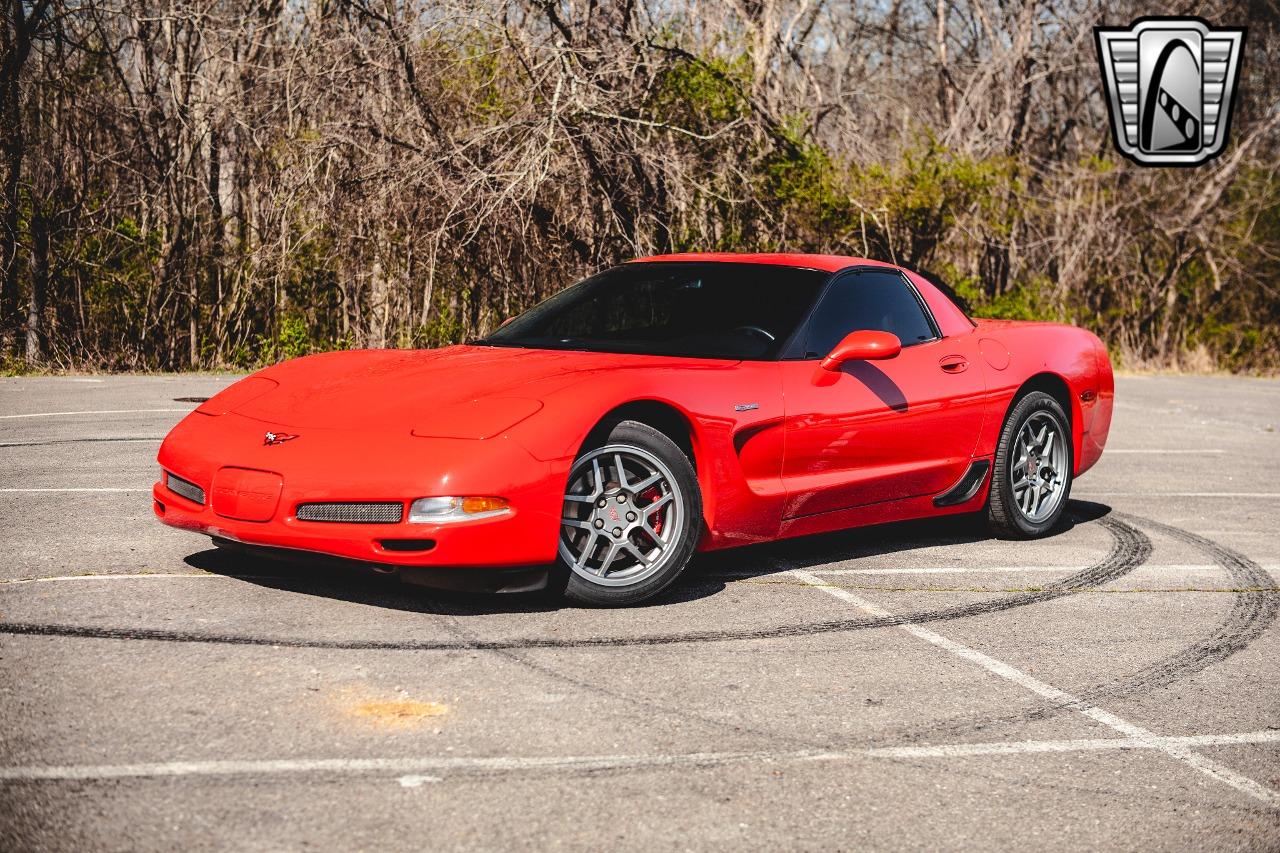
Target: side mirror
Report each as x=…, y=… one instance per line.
x=863, y=345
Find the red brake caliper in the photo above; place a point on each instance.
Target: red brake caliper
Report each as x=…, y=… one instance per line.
x=650, y=495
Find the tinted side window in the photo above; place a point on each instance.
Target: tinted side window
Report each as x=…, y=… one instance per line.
x=869, y=300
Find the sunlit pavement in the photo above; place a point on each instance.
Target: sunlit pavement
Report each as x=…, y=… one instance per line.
x=918, y=686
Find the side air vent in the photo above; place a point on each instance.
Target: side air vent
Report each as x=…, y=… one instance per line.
x=967, y=486
x=186, y=488
x=352, y=513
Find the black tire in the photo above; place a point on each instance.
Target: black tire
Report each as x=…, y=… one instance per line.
x=686, y=502
x=1005, y=512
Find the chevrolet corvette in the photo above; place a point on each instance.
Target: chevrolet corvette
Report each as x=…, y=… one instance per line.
x=666, y=406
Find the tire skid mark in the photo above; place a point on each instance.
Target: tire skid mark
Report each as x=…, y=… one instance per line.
x=1130, y=549
x=1252, y=612
x=53, y=441
x=642, y=705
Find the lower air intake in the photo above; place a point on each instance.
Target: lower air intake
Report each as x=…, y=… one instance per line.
x=352, y=513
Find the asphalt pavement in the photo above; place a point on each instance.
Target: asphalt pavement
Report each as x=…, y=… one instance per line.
x=915, y=686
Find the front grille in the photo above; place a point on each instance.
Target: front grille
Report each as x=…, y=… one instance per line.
x=352, y=513
x=186, y=488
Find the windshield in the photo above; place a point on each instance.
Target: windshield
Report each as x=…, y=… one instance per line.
x=703, y=310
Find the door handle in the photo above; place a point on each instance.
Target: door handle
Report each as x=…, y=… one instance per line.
x=953, y=363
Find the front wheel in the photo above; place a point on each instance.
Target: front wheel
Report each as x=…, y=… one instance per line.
x=1031, y=477
x=631, y=519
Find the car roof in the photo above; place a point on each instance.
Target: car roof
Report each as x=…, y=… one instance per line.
x=827, y=263
x=950, y=318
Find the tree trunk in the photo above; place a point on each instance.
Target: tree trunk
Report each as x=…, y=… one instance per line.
x=39, y=287
x=944, y=87
x=16, y=46
x=217, y=319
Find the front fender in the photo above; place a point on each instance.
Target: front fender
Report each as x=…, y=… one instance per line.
x=734, y=417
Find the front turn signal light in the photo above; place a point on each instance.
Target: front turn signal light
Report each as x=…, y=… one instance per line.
x=445, y=509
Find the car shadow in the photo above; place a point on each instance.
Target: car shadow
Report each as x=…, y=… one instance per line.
x=878, y=382
x=707, y=575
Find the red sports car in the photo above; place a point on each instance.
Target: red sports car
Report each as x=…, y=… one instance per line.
x=668, y=405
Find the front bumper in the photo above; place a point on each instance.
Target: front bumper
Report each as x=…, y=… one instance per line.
x=334, y=466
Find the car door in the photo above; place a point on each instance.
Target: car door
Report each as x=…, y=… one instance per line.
x=875, y=431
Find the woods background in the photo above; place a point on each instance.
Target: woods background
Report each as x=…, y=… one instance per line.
x=224, y=183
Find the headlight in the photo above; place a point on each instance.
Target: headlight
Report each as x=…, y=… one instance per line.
x=439, y=510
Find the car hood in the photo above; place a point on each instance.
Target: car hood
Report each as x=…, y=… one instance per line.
x=456, y=392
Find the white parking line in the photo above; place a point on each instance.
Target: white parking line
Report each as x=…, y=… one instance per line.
x=106, y=577
x=1059, y=697
x=19, y=491
x=93, y=412
x=1177, y=495
x=957, y=750
x=1170, y=568
x=392, y=765
x=951, y=570
x=137, y=576
x=1110, y=451
x=71, y=441
x=416, y=770
x=946, y=570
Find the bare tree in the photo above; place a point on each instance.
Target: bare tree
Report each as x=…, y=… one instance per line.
x=226, y=182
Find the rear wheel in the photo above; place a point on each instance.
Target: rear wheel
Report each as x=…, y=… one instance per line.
x=631, y=519
x=1031, y=477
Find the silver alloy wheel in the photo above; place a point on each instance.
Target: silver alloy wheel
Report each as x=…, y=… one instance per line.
x=622, y=515
x=1038, y=471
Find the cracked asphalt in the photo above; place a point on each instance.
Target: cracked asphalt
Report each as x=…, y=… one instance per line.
x=921, y=685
